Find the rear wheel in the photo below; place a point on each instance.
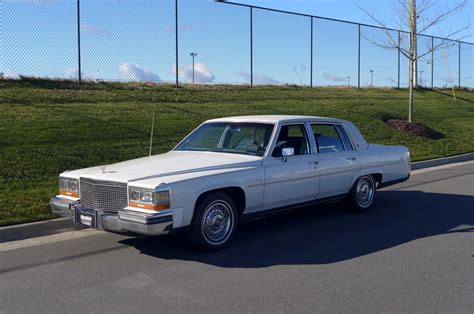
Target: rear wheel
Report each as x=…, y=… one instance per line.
x=362, y=194
x=215, y=222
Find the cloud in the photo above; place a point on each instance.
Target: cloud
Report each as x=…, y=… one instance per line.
x=448, y=80
x=258, y=78
x=93, y=29
x=11, y=75
x=333, y=77
x=202, y=73
x=136, y=73
x=73, y=74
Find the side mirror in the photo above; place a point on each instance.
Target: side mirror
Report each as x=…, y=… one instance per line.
x=287, y=151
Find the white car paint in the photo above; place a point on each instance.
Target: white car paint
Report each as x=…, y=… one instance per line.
x=267, y=182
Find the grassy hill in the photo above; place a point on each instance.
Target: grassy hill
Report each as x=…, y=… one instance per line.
x=47, y=127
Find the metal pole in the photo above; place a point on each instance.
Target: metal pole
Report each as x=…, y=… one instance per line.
x=176, y=40
x=151, y=133
x=311, y=60
x=432, y=62
x=251, y=45
x=79, y=42
x=193, y=55
x=358, y=63
x=399, y=47
x=459, y=64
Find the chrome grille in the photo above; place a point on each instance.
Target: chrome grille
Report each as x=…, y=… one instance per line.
x=105, y=195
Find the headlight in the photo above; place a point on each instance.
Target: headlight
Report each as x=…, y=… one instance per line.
x=149, y=199
x=134, y=196
x=69, y=187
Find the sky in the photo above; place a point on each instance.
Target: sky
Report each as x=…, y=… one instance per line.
x=134, y=40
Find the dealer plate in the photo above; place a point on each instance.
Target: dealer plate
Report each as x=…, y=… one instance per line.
x=85, y=218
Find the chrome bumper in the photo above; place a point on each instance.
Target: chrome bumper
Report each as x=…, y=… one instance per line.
x=123, y=221
x=61, y=207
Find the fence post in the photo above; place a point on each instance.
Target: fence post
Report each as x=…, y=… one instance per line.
x=311, y=60
x=399, y=47
x=459, y=64
x=358, y=63
x=79, y=77
x=251, y=46
x=176, y=40
x=432, y=62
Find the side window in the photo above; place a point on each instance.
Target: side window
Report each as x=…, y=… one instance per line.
x=293, y=135
x=344, y=137
x=327, y=138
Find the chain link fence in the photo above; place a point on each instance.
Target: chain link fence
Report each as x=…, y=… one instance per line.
x=207, y=42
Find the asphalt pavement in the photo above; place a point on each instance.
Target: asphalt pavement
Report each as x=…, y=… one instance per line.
x=414, y=251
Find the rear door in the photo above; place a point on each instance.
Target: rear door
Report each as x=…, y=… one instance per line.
x=294, y=180
x=338, y=162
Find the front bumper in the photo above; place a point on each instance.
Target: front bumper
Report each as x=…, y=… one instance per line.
x=123, y=221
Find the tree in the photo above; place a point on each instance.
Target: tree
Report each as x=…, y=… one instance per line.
x=300, y=74
x=419, y=18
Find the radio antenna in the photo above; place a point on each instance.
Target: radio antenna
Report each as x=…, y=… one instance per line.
x=151, y=134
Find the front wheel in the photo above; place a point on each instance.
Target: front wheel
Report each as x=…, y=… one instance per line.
x=215, y=222
x=362, y=194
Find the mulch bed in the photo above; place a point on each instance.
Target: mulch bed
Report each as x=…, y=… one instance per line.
x=416, y=129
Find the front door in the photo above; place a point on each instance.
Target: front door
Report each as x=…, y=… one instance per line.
x=294, y=179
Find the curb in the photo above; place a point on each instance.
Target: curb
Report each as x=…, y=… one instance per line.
x=36, y=229
x=441, y=161
x=53, y=226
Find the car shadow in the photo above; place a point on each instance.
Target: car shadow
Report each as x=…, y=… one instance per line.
x=328, y=233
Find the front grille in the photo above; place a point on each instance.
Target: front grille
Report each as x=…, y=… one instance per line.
x=105, y=195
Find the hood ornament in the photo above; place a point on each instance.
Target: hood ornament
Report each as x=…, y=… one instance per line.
x=102, y=168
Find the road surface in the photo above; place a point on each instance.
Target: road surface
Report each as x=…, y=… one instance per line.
x=414, y=251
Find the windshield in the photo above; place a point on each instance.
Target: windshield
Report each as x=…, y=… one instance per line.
x=228, y=137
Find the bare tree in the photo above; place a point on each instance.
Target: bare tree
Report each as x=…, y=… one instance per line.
x=418, y=17
x=300, y=74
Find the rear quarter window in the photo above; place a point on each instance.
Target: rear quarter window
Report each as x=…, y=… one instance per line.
x=345, y=139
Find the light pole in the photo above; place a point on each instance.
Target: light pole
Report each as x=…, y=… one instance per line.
x=421, y=78
x=193, y=54
x=348, y=80
x=371, y=77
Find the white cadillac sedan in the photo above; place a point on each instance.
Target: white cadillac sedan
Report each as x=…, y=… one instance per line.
x=229, y=170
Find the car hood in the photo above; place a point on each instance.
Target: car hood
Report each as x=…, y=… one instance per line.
x=172, y=164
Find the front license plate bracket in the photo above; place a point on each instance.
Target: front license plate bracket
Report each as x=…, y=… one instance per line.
x=85, y=217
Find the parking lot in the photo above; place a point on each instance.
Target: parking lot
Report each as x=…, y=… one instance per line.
x=414, y=251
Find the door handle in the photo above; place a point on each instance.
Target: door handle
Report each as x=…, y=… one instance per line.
x=351, y=158
x=313, y=162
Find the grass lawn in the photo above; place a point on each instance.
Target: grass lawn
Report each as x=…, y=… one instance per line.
x=47, y=127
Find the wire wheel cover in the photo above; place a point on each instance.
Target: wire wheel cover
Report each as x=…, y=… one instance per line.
x=217, y=222
x=365, y=191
